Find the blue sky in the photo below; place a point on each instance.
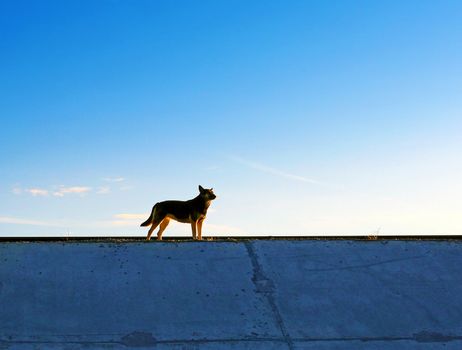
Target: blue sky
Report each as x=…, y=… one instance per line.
x=307, y=117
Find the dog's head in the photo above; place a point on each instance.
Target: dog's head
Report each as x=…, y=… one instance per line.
x=207, y=193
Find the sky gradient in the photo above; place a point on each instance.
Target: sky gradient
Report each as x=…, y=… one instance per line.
x=306, y=117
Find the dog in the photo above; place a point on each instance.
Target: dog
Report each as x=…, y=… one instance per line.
x=192, y=211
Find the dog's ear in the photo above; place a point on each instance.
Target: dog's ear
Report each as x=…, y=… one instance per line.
x=201, y=189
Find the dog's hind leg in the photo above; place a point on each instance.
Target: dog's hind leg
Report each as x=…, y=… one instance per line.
x=151, y=230
x=163, y=226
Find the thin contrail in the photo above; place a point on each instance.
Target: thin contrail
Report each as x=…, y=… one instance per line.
x=273, y=171
x=22, y=221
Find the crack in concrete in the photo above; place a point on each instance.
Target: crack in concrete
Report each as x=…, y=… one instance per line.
x=131, y=344
x=351, y=267
x=149, y=341
x=265, y=285
x=420, y=337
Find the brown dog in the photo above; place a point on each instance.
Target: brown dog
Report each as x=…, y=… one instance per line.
x=192, y=211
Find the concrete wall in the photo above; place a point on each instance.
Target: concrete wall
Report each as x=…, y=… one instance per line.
x=259, y=294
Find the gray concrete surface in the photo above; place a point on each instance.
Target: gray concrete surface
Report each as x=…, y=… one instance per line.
x=260, y=294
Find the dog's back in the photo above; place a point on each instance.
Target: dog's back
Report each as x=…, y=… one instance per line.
x=181, y=211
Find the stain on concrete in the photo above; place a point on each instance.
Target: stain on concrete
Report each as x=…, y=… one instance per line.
x=138, y=339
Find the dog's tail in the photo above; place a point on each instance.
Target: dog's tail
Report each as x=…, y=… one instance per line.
x=150, y=218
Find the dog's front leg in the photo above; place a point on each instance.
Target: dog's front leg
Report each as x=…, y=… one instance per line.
x=199, y=229
x=193, y=227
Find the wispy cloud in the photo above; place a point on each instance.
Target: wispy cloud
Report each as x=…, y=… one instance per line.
x=124, y=223
x=103, y=190
x=273, y=171
x=37, y=192
x=128, y=219
x=126, y=216
x=62, y=191
x=114, y=179
x=224, y=230
x=16, y=190
x=22, y=221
